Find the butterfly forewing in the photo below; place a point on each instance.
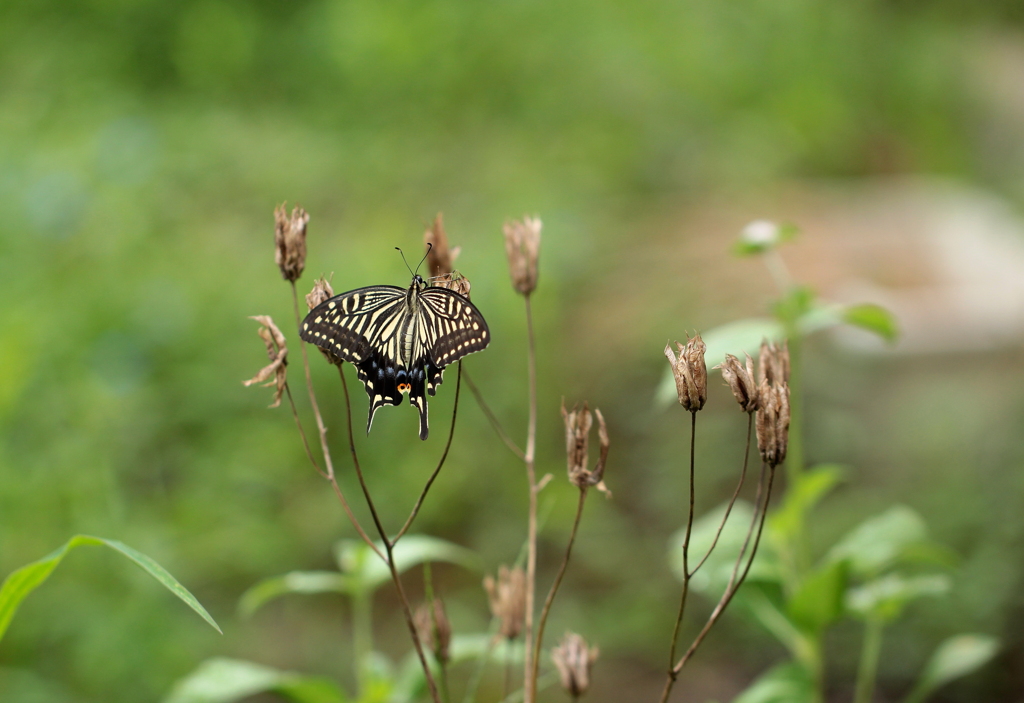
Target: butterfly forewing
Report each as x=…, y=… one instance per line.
x=399, y=340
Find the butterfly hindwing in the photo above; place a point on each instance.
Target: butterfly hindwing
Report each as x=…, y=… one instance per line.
x=399, y=340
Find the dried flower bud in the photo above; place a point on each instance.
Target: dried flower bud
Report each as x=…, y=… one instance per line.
x=773, y=422
x=321, y=292
x=741, y=381
x=577, y=438
x=290, y=241
x=690, y=372
x=573, y=659
x=439, y=257
x=277, y=350
x=433, y=628
x=454, y=281
x=773, y=363
x=522, y=245
x=507, y=596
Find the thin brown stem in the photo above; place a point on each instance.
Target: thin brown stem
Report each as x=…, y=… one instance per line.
x=530, y=683
x=440, y=463
x=302, y=432
x=732, y=501
x=491, y=418
x=686, y=553
x=329, y=465
x=558, y=582
x=389, y=559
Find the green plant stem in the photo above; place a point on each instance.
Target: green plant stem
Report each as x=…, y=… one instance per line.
x=795, y=451
x=362, y=635
x=870, y=652
x=493, y=419
x=529, y=682
x=558, y=582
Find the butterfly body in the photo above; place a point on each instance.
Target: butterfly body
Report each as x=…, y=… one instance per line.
x=399, y=339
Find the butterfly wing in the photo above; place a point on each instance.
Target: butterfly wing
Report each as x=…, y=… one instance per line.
x=360, y=327
x=455, y=328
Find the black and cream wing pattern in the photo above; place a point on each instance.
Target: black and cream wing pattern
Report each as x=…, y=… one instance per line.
x=400, y=340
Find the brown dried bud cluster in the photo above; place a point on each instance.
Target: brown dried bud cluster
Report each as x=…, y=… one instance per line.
x=577, y=440
x=290, y=241
x=522, y=245
x=773, y=364
x=454, y=281
x=433, y=628
x=741, y=381
x=322, y=290
x=277, y=350
x=573, y=659
x=439, y=257
x=773, y=422
x=507, y=597
x=690, y=372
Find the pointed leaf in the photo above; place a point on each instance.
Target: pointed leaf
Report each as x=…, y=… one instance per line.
x=368, y=572
x=818, y=602
x=304, y=582
x=873, y=318
x=880, y=541
x=884, y=598
x=786, y=683
x=958, y=656
x=225, y=680
x=19, y=584
x=805, y=493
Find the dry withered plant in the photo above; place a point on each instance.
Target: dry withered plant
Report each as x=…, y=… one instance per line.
x=513, y=593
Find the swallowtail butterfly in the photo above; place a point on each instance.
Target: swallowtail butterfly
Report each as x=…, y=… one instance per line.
x=399, y=339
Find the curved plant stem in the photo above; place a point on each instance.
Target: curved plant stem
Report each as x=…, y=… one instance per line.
x=329, y=465
x=389, y=559
x=491, y=418
x=868, y=668
x=686, y=557
x=530, y=683
x=558, y=582
x=440, y=463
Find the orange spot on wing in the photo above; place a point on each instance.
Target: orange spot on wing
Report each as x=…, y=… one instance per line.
x=404, y=387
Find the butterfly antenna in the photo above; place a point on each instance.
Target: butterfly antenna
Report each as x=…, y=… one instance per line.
x=399, y=250
x=429, y=247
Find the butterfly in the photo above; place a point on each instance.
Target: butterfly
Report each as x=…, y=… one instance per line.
x=399, y=339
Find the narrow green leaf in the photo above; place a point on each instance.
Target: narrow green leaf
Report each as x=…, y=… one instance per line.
x=884, y=598
x=956, y=657
x=224, y=680
x=358, y=562
x=304, y=582
x=786, y=683
x=873, y=318
x=19, y=584
x=880, y=541
x=753, y=597
x=805, y=493
x=818, y=602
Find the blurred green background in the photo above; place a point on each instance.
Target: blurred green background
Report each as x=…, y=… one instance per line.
x=144, y=145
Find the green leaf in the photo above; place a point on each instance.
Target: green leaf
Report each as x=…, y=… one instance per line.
x=786, y=683
x=19, y=584
x=715, y=573
x=873, y=318
x=733, y=338
x=753, y=597
x=818, y=602
x=880, y=541
x=304, y=582
x=956, y=657
x=367, y=571
x=884, y=598
x=224, y=680
x=805, y=493
x=497, y=650
x=795, y=304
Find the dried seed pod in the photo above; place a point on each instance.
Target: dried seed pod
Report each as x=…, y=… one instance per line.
x=454, y=281
x=690, y=373
x=522, y=245
x=290, y=241
x=741, y=381
x=322, y=290
x=773, y=363
x=577, y=439
x=573, y=659
x=773, y=422
x=434, y=629
x=277, y=350
x=439, y=257
x=507, y=598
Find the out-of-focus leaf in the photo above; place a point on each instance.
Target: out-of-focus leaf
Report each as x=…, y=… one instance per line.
x=715, y=573
x=19, y=584
x=762, y=235
x=767, y=612
x=304, y=582
x=957, y=656
x=880, y=541
x=733, y=338
x=225, y=680
x=885, y=597
x=786, y=683
x=367, y=572
x=807, y=490
x=818, y=602
x=497, y=649
x=795, y=304
x=873, y=318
